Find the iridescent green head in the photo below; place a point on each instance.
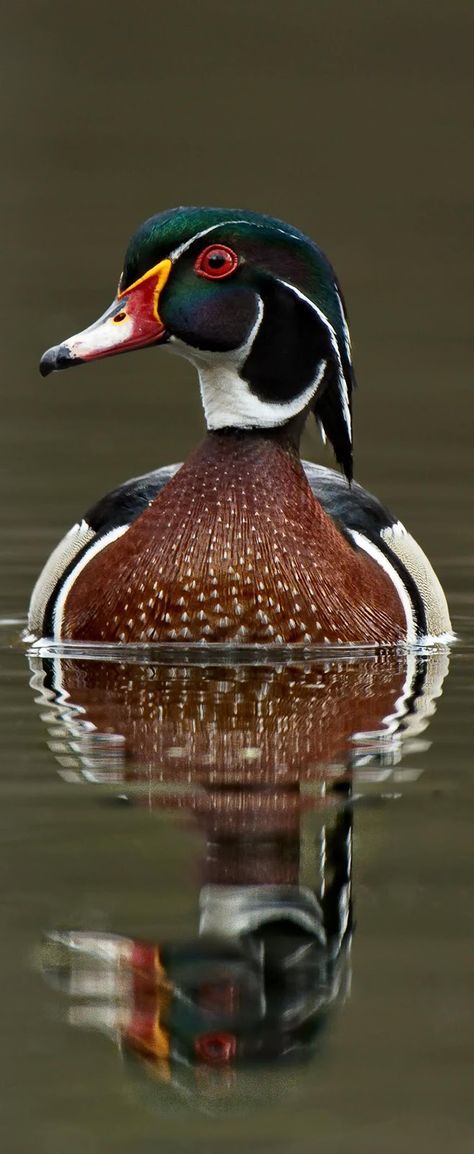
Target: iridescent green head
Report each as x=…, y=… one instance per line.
x=251, y=301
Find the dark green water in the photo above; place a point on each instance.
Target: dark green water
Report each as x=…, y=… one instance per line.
x=352, y=122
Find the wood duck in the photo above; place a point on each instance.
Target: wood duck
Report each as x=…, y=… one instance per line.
x=244, y=543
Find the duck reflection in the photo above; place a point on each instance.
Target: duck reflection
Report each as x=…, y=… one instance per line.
x=254, y=986
x=167, y=724
x=248, y=749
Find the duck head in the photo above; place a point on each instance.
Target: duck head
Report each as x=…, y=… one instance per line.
x=252, y=302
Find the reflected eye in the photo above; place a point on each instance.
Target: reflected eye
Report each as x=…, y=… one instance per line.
x=216, y=261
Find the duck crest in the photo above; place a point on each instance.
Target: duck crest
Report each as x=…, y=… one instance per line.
x=234, y=548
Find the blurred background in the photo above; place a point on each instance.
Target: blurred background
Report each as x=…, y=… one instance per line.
x=352, y=120
x=349, y=120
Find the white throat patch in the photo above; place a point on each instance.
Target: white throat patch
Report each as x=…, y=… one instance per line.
x=227, y=399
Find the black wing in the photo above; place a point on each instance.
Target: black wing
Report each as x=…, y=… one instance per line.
x=350, y=505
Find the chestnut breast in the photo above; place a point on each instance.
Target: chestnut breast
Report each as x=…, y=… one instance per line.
x=234, y=548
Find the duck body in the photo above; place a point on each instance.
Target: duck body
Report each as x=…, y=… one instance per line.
x=244, y=543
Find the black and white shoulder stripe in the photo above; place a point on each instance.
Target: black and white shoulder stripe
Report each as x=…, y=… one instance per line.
x=371, y=527
x=101, y=525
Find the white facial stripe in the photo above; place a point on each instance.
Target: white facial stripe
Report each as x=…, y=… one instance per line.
x=66, y=588
x=377, y=555
x=197, y=236
x=335, y=347
x=222, y=224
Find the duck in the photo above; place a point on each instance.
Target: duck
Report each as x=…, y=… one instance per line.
x=244, y=543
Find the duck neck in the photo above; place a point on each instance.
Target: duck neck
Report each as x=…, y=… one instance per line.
x=285, y=437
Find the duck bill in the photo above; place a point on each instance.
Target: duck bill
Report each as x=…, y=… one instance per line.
x=132, y=322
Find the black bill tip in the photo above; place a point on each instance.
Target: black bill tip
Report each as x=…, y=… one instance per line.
x=59, y=357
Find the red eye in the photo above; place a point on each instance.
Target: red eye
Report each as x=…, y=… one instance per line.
x=216, y=261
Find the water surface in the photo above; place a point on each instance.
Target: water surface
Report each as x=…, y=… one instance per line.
x=341, y=962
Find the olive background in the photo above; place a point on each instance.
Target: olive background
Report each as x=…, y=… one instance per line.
x=353, y=121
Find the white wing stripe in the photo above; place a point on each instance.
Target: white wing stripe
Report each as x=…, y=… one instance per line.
x=74, y=574
x=53, y=570
x=377, y=555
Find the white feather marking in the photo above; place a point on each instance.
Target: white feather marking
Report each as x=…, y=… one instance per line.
x=177, y=252
x=68, y=584
x=227, y=399
x=53, y=570
x=396, y=530
x=335, y=347
x=407, y=550
x=377, y=555
x=345, y=404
